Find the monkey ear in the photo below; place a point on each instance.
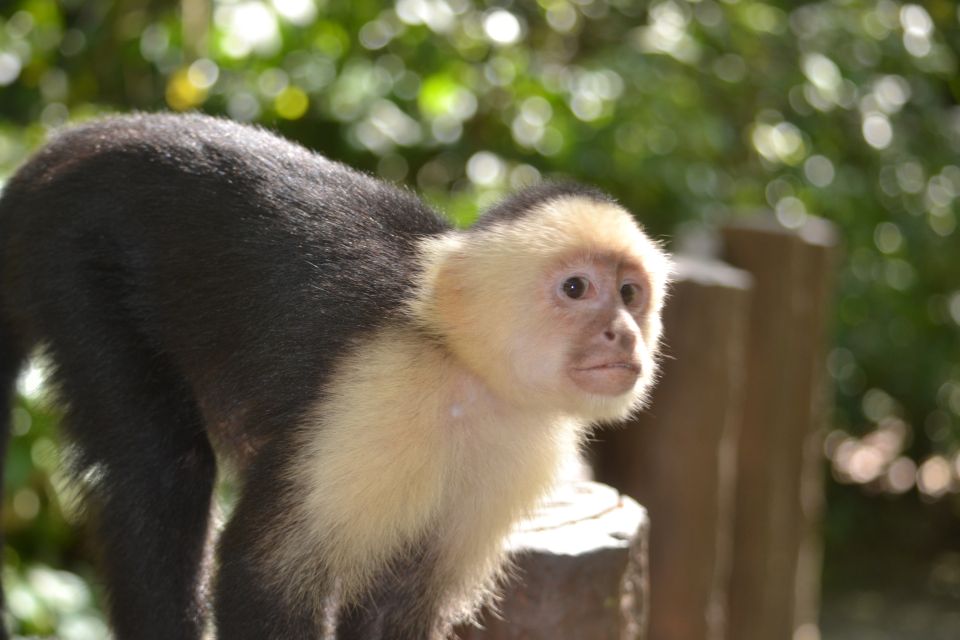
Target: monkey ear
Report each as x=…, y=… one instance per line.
x=450, y=301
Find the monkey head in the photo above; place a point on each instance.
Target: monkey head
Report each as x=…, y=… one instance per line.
x=557, y=308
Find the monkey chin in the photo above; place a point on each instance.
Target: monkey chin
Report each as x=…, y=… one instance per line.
x=606, y=406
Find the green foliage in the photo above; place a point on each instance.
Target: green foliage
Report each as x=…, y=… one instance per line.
x=689, y=111
x=47, y=602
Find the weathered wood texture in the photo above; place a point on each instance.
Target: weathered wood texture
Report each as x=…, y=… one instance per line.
x=678, y=457
x=580, y=571
x=779, y=486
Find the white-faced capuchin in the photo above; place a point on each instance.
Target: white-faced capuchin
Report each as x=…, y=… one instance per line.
x=394, y=393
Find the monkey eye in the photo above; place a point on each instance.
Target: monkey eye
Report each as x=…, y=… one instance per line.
x=629, y=293
x=575, y=287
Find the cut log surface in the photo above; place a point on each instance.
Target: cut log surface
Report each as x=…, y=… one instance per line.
x=580, y=571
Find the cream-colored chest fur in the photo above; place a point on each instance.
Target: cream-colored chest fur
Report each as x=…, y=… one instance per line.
x=407, y=445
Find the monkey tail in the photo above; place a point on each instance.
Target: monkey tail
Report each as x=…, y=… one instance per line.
x=12, y=358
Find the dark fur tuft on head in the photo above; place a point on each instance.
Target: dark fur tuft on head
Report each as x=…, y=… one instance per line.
x=519, y=204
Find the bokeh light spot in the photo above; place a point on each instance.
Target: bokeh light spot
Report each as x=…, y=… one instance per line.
x=291, y=103
x=485, y=169
x=9, y=68
x=887, y=237
x=181, y=93
x=818, y=170
x=298, y=12
x=877, y=131
x=934, y=477
x=502, y=27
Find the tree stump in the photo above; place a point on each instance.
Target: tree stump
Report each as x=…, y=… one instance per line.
x=580, y=571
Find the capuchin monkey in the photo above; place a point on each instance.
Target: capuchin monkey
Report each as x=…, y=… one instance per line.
x=394, y=394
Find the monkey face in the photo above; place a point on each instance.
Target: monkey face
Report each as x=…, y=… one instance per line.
x=586, y=344
x=598, y=305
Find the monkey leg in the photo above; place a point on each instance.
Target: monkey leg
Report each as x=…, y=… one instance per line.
x=253, y=600
x=259, y=596
x=402, y=605
x=148, y=472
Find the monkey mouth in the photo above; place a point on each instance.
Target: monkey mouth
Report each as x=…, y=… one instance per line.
x=629, y=366
x=607, y=378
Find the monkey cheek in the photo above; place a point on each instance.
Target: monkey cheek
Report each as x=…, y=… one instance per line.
x=605, y=381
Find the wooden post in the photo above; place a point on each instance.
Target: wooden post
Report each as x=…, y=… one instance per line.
x=195, y=25
x=581, y=571
x=779, y=492
x=678, y=456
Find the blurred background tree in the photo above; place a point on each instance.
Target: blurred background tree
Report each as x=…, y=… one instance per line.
x=689, y=111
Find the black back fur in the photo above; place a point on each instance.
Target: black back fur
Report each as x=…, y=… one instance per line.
x=528, y=200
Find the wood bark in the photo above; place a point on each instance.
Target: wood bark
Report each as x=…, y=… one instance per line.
x=775, y=580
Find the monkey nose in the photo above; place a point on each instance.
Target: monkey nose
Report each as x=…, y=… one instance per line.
x=621, y=336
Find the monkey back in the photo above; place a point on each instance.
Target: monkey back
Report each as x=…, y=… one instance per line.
x=229, y=249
